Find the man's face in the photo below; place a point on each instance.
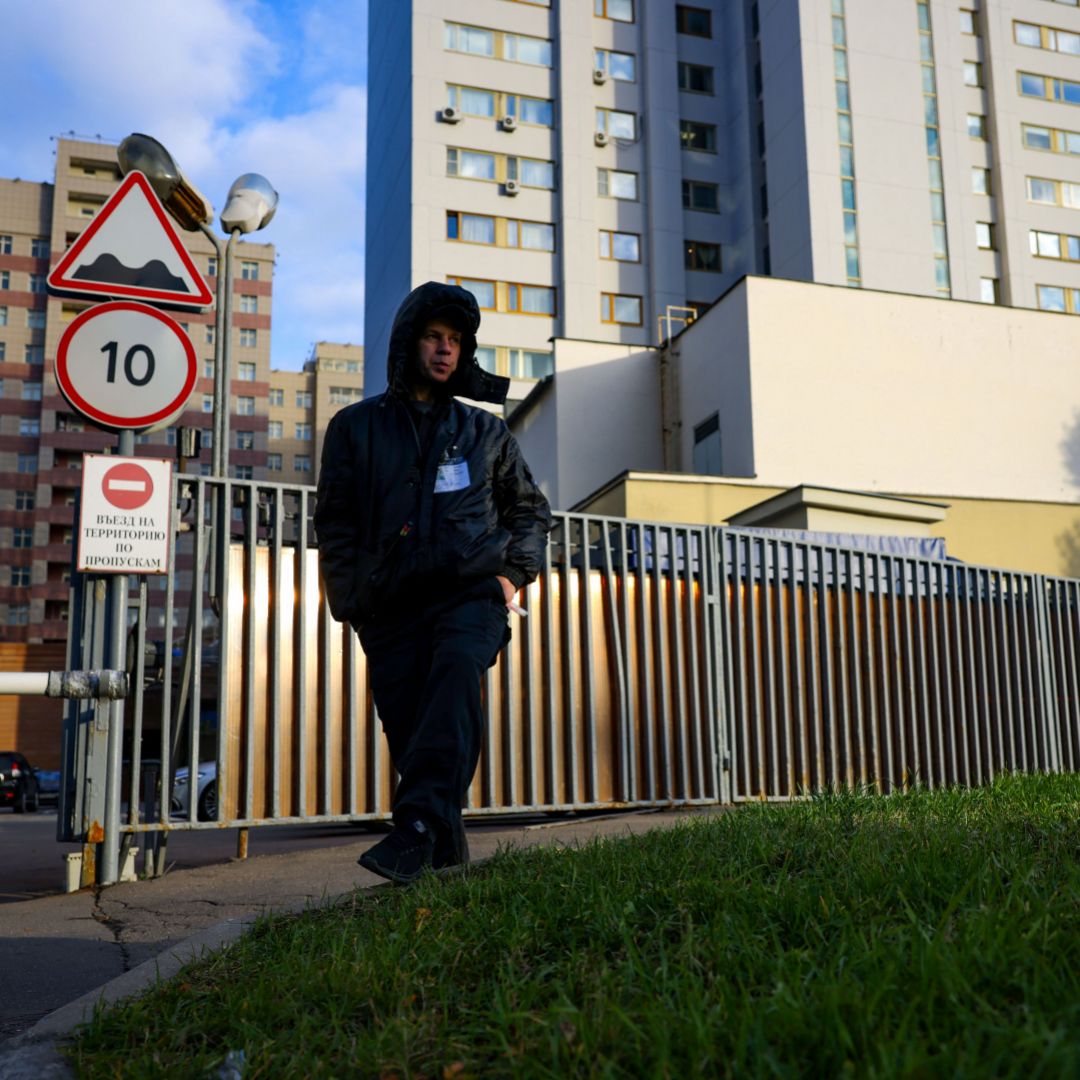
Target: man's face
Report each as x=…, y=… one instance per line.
x=437, y=353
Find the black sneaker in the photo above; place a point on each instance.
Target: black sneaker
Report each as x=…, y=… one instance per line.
x=403, y=855
x=451, y=847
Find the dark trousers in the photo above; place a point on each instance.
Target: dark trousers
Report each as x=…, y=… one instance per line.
x=426, y=663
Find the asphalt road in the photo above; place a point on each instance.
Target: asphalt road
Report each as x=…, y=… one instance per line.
x=32, y=861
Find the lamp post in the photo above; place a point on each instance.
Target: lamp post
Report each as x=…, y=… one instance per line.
x=249, y=206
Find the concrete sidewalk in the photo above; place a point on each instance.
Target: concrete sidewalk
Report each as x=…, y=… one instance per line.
x=63, y=954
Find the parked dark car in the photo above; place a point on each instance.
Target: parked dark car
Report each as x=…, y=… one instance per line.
x=18, y=782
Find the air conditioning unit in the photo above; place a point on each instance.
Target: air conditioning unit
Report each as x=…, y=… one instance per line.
x=602, y=138
x=511, y=187
x=450, y=115
x=509, y=123
x=599, y=76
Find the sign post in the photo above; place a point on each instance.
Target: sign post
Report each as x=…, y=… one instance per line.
x=128, y=368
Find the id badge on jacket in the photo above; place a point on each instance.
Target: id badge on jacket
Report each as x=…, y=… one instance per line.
x=453, y=475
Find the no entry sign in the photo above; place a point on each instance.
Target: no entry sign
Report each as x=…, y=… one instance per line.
x=124, y=515
x=126, y=366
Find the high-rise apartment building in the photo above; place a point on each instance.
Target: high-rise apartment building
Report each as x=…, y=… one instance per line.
x=587, y=166
x=42, y=438
x=301, y=404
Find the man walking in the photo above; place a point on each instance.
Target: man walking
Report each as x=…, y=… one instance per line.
x=428, y=523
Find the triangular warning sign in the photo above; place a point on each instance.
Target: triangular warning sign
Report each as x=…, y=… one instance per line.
x=131, y=249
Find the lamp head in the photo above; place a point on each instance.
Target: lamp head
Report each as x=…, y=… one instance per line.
x=250, y=205
x=179, y=195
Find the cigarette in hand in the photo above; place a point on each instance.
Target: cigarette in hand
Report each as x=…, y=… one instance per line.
x=517, y=609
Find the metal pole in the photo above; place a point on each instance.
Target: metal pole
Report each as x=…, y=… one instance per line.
x=221, y=403
x=116, y=641
x=225, y=318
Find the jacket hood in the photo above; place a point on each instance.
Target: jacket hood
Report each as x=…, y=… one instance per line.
x=417, y=310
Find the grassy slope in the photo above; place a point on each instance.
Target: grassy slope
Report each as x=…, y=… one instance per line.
x=931, y=934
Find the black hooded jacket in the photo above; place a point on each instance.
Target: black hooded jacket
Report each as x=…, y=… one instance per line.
x=385, y=535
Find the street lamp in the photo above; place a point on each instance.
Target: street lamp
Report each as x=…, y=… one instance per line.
x=249, y=207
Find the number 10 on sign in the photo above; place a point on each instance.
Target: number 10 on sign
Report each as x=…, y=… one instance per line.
x=126, y=366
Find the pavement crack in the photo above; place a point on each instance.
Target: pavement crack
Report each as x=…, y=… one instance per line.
x=114, y=924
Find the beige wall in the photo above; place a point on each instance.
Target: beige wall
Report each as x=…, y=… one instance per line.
x=1011, y=534
x=886, y=393
x=598, y=416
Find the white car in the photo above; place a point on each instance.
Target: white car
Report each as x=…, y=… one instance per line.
x=206, y=803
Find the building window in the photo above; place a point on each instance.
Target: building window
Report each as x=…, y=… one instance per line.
x=344, y=395
x=39, y=247
x=20, y=576
x=34, y=354
x=476, y=101
x=976, y=125
x=967, y=22
x=273, y=463
x=698, y=195
x=499, y=232
x=243, y=472
x=616, y=184
x=247, y=338
x=22, y=538
x=696, y=78
x=980, y=180
x=616, y=124
x=498, y=168
x=38, y=284
x=302, y=432
x=25, y=500
x=207, y=403
x=211, y=267
x=275, y=429
x=303, y=399
x=988, y=290
x=973, y=75
x=208, y=369
x=277, y=396
x=487, y=358
x=1042, y=86
x=27, y=462
x=245, y=406
x=35, y=320
x=1048, y=245
x=1059, y=299
x=245, y=440
x=18, y=614
x=302, y=463
x=498, y=45
x=620, y=308
x=29, y=425
x=249, y=270
x=620, y=66
x=530, y=299
x=245, y=372
x=5, y=279
x=5, y=244
x=699, y=255
x=619, y=10
x=530, y=363
x=697, y=136
x=1046, y=37
x=1055, y=140
x=707, y=447
x=3, y=316
x=249, y=305
x=3, y=352
x=1053, y=192
x=984, y=235
x=620, y=246
x=693, y=20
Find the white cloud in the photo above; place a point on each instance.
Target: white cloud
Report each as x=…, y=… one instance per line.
x=230, y=86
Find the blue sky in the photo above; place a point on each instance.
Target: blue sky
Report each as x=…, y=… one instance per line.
x=229, y=86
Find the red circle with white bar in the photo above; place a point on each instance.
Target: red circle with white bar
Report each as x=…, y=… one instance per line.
x=126, y=365
x=127, y=486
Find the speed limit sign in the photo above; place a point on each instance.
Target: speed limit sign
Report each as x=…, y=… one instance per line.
x=126, y=366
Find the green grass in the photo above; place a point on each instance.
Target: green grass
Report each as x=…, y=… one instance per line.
x=927, y=934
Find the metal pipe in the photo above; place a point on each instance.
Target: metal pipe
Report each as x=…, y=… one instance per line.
x=220, y=384
x=222, y=438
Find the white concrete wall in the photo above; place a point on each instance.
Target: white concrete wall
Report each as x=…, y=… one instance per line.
x=599, y=416
x=886, y=393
